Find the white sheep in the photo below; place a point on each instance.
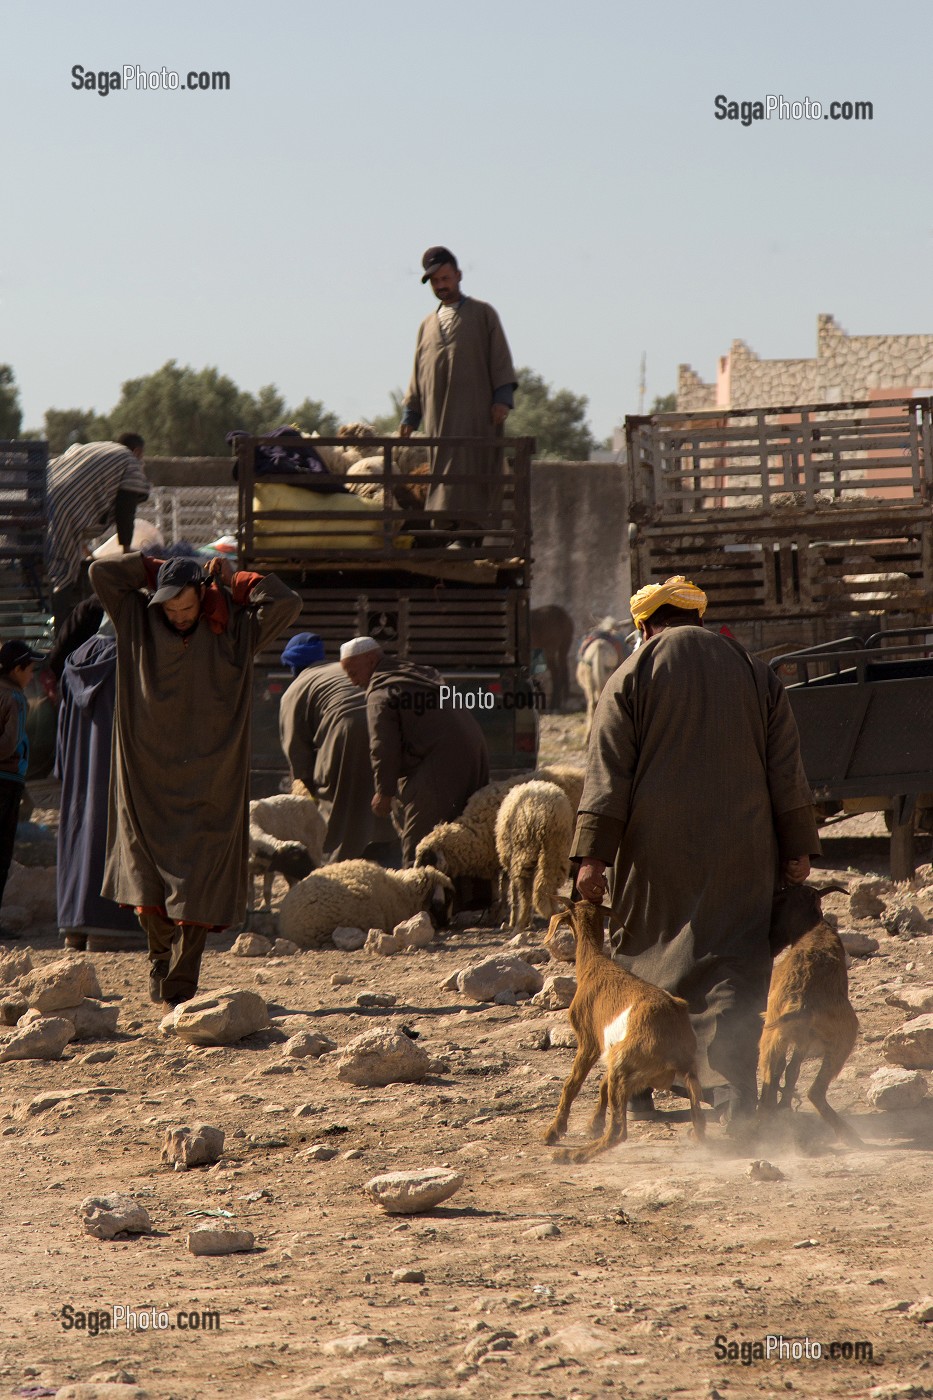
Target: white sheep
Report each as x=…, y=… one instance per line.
x=467, y=845
x=360, y=894
x=534, y=830
x=286, y=835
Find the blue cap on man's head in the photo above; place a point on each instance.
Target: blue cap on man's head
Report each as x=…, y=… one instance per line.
x=303, y=650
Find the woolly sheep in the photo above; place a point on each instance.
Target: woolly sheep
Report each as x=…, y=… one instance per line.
x=534, y=829
x=360, y=894
x=286, y=834
x=467, y=846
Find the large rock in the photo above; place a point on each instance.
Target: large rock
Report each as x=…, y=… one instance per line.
x=105, y=1217
x=221, y=1018
x=348, y=940
x=408, y=1193
x=502, y=973
x=416, y=932
x=12, y=1009
x=892, y=1088
x=284, y=948
x=251, y=945
x=859, y=945
x=865, y=901
x=528, y=946
x=65, y=982
x=562, y=944
x=43, y=1039
x=911, y=1045
x=14, y=963
x=192, y=1147
x=382, y=1056
x=33, y=894
x=919, y=1000
x=907, y=918
x=308, y=1043
x=210, y=1241
x=556, y=994
x=382, y=944
x=92, y=1019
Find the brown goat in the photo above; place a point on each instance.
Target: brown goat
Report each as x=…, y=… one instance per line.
x=644, y=1033
x=809, y=1014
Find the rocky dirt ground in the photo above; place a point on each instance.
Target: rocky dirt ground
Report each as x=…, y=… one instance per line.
x=536, y=1279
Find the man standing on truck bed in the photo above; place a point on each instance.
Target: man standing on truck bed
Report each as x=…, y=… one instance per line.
x=462, y=385
x=430, y=758
x=696, y=792
x=179, y=781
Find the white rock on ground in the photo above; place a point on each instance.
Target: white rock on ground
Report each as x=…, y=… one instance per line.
x=892, y=1088
x=284, y=948
x=562, y=1037
x=192, y=1147
x=562, y=944
x=922, y=1310
x=220, y=1018
x=382, y=944
x=251, y=945
x=348, y=940
x=530, y=948
x=14, y=963
x=919, y=1000
x=557, y=993
x=117, y=1214
x=65, y=982
x=44, y=1039
x=306, y=1043
x=416, y=932
x=92, y=1019
x=101, y=1390
x=503, y=973
x=382, y=1056
x=865, y=902
x=859, y=945
x=208, y=1241
x=409, y=1193
x=911, y=1045
x=356, y=1344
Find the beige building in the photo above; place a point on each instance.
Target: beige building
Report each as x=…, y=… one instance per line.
x=846, y=367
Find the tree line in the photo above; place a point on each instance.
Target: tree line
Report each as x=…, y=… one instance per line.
x=184, y=412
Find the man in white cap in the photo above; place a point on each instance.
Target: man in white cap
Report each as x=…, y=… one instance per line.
x=429, y=758
x=696, y=794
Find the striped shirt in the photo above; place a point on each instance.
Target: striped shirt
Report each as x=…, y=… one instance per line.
x=83, y=485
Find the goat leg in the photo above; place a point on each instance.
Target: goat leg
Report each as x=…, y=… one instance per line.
x=617, y=1128
x=791, y=1074
x=598, y=1121
x=584, y=1060
x=832, y=1064
x=692, y=1086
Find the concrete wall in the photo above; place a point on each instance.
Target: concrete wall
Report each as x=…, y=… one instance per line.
x=579, y=524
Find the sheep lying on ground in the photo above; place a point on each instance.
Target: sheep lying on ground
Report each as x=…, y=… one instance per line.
x=534, y=829
x=360, y=894
x=467, y=846
x=286, y=835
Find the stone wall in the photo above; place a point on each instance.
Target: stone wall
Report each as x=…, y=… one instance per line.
x=580, y=540
x=845, y=367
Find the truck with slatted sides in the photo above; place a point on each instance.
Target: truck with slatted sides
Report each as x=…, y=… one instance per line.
x=375, y=560
x=801, y=523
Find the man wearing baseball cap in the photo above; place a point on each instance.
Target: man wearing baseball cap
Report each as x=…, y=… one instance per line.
x=462, y=385
x=179, y=782
x=17, y=661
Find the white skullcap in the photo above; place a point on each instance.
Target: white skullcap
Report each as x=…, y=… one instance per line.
x=358, y=646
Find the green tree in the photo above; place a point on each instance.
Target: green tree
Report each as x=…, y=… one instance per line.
x=66, y=426
x=11, y=418
x=664, y=403
x=183, y=412
x=312, y=417
x=556, y=419
x=271, y=410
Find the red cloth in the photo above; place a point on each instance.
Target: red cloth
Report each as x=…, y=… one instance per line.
x=179, y=923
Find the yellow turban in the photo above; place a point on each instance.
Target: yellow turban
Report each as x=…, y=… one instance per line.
x=676, y=591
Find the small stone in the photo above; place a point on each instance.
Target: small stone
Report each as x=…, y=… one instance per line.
x=547, y=1231
x=906, y=919
x=557, y=993
x=97, y=1057
x=562, y=944
x=341, y=979
x=452, y=983
x=92, y=1019
x=922, y=1311
x=806, y=1244
x=911, y=1046
x=416, y=932
x=352, y=1154
x=411, y=1192
x=502, y=973
x=101, y=1390
x=505, y=998
x=187, y=1147
x=765, y=1171
x=14, y=963
x=408, y=1276
x=251, y=945
x=381, y=944
x=859, y=945
x=382, y=1056
x=12, y=1007
x=306, y=1110
x=104, y=1217
x=43, y=1039
x=891, y=1088
x=216, y=1242
x=356, y=1344
x=377, y=999
x=222, y=1017
x=65, y=982
x=562, y=1037
x=917, y=1000
x=284, y=948
x=348, y=940
x=320, y=1152
x=865, y=901
x=308, y=1043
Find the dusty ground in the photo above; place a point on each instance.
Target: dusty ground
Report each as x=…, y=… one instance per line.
x=660, y=1247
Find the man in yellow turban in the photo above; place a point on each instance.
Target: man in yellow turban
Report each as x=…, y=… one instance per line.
x=695, y=795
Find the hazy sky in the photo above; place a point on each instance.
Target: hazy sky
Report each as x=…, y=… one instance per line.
x=568, y=153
